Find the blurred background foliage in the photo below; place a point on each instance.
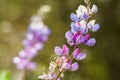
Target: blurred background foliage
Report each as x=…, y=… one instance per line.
x=103, y=60
x=5, y=75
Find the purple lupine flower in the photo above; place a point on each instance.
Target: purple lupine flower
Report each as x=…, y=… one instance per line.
x=74, y=17
x=74, y=39
x=94, y=27
x=65, y=66
x=78, y=55
x=74, y=66
x=75, y=27
x=79, y=29
x=78, y=39
x=63, y=51
x=24, y=63
x=94, y=9
x=81, y=12
x=69, y=36
x=91, y=42
x=78, y=34
x=76, y=52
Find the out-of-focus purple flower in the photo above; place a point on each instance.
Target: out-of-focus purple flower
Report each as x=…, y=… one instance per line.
x=74, y=66
x=23, y=63
x=91, y=42
x=16, y=60
x=31, y=66
x=63, y=51
x=37, y=34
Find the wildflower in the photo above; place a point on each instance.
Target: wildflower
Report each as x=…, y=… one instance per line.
x=81, y=12
x=91, y=42
x=94, y=9
x=77, y=35
x=79, y=55
x=36, y=36
x=74, y=66
x=94, y=27
x=63, y=51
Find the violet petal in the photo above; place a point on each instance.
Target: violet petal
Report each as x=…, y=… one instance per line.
x=91, y=42
x=76, y=52
x=81, y=56
x=65, y=50
x=58, y=51
x=95, y=27
x=75, y=66
x=74, y=17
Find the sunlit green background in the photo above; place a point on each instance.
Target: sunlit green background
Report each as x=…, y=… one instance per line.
x=103, y=60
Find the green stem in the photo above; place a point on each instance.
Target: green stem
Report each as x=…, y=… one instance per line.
x=22, y=75
x=58, y=75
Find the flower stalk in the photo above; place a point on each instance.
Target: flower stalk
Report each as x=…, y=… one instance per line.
x=22, y=74
x=36, y=36
x=77, y=35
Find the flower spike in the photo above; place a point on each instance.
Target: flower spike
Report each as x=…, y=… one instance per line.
x=77, y=35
